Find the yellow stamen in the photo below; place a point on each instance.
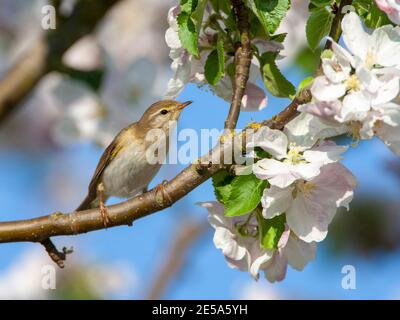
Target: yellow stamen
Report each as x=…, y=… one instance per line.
x=304, y=187
x=255, y=125
x=294, y=154
x=352, y=83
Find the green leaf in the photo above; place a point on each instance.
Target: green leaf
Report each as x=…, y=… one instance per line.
x=318, y=25
x=189, y=23
x=271, y=230
x=308, y=60
x=279, y=37
x=376, y=18
x=270, y=13
x=188, y=33
x=273, y=79
x=370, y=14
x=188, y=6
x=304, y=84
x=321, y=3
x=214, y=68
x=245, y=195
x=222, y=182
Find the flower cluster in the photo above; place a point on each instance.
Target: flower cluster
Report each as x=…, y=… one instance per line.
x=359, y=86
x=306, y=186
x=187, y=68
x=238, y=238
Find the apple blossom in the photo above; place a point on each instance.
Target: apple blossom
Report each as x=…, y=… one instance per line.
x=289, y=161
x=291, y=250
x=238, y=238
x=391, y=8
x=187, y=68
x=311, y=205
x=359, y=86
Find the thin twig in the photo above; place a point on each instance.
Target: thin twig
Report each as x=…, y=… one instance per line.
x=243, y=55
x=55, y=255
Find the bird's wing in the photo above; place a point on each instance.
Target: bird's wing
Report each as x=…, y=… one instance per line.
x=108, y=155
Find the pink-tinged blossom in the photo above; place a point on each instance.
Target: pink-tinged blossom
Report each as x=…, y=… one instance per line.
x=391, y=8
x=238, y=239
x=311, y=205
x=291, y=250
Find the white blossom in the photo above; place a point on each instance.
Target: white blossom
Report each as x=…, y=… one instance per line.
x=187, y=68
x=238, y=238
x=358, y=87
x=291, y=250
x=289, y=161
x=311, y=205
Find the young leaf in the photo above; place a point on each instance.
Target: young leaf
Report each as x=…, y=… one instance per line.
x=270, y=13
x=271, y=230
x=214, y=68
x=245, y=195
x=306, y=82
x=188, y=6
x=222, y=182
x=318, y=25
x=188, y=33
x=189, y=23
x=273, y=79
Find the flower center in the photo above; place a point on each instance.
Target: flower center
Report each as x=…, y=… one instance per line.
x=355, y=127
x=294, y=155
x=352, y=83
x=247, y=228
x=370, y=60
x=304, y=187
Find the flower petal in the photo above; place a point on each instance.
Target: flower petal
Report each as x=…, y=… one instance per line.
x=274, y=142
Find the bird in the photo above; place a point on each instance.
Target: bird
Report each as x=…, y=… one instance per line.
x=124, y=169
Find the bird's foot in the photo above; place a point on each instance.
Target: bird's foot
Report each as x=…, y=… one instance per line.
x=104, y=214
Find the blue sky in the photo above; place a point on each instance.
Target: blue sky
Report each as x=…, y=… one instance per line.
x=24, y=193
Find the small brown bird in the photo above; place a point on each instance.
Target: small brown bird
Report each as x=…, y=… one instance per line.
x=124, y=170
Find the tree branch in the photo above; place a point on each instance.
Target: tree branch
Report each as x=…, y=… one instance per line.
x=46, y=54
x=125, y=213
x=243, y=56
x=55, y=255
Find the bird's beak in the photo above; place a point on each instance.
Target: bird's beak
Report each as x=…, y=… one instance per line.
x=184, y=105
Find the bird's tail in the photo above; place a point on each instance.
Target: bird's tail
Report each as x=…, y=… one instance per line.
x=88, y=203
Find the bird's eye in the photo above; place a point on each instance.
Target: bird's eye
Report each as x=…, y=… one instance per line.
x=164, y=111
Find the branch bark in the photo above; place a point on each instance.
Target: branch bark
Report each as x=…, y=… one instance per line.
x=243, y=56
x=125, y=213
x=46, y=54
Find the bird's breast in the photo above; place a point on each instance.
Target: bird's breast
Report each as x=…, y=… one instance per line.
x=129, y=172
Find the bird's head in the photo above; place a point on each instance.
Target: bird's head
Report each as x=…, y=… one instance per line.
x=160, y=114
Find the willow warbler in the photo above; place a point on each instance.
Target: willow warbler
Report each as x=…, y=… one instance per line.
x=124, y=170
